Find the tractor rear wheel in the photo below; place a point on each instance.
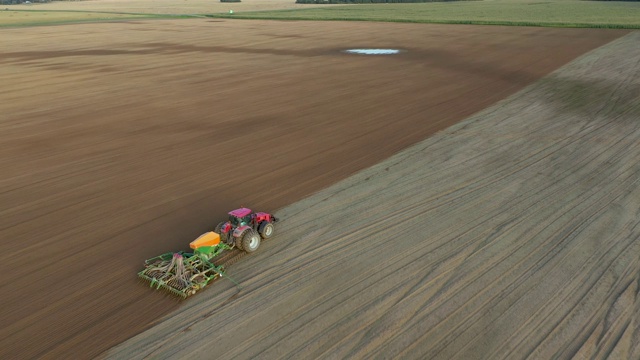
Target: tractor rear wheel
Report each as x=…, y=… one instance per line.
x=223, y=237
x=238, y=240
x=250, y=240
x=266, y=229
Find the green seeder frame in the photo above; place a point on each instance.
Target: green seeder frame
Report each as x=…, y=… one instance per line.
x=181, y=273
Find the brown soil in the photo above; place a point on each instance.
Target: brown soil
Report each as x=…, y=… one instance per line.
x=122, y=141
x=513, y=234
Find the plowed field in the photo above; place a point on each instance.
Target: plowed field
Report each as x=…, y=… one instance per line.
x=122, y=141
x=513, y=234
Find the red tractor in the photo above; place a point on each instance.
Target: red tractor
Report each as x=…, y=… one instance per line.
x=245, y=229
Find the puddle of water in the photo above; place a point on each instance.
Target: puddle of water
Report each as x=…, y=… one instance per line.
x=373, y=51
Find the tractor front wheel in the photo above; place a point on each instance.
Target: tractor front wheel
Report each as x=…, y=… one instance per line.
x=250, y=240
x=266, y=229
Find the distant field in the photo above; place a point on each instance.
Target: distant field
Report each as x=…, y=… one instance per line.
x=569, y=13
x=23, y=17
x=99, y=10
x=560, y=13
x=166, y=7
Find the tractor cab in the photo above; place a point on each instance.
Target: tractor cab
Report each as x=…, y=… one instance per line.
x=240, y=217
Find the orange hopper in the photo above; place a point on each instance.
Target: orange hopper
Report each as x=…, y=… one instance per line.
x=207, y=239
